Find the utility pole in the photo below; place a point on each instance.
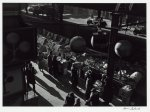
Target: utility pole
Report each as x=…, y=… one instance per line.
x=108, y=89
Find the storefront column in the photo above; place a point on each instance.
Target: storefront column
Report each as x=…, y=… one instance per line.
x=108, y=89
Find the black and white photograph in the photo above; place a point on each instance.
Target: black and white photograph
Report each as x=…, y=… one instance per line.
x=74, y=54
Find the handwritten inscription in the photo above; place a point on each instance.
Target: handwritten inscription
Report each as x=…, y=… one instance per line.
x=131, y=108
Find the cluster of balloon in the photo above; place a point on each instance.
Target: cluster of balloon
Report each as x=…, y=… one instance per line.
x=24, y=46
x=12, y=53
x=13, y=38
x=78, y=44
x=123, y=48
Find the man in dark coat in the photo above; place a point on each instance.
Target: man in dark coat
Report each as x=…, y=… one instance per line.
x=50, y=62
x=94, y=99
x=31, y=76
x=74, y=76
x=78, y=102
x=70, y=99
x=54, y=65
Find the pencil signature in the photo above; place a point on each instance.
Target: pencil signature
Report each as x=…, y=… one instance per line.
x=131, y=108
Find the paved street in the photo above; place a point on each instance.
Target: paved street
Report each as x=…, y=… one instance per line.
x=51, y=91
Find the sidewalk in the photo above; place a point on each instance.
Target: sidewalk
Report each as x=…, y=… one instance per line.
x=51, y=91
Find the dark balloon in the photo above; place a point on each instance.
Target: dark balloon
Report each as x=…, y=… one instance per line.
x=78, y=44
x=123, y=48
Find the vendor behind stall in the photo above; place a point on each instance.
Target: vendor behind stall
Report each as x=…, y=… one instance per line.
x=89, y=84
x=74, y=76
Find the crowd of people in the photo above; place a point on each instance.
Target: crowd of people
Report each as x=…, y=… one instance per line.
x=91, y=95
x=93, y=100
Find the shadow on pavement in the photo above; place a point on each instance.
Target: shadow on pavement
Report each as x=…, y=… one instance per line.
x=51, y=90
x=61, y=84
x=37, y=101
